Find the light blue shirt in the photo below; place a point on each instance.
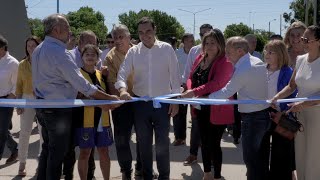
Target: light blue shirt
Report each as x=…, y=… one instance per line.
x=54, y=73
x=78, y=60
x=250, y=81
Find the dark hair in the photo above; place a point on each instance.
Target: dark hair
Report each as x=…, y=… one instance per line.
x=218, y=36
x=145, y=20
x=207, y=26
x=3, y=43
x=34, y=39
x=185, y=36
x=109, y=36
x=90, y=47
x=276, y=36
x=316, y=31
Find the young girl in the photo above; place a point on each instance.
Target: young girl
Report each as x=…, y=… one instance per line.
x=279, y=73
x=93, y=124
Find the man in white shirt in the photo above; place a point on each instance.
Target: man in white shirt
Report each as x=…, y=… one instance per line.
x=195, y=135
x=8, y=78
x=252, y=40
x=180, y=120
x=250, y=81
x=155, y=68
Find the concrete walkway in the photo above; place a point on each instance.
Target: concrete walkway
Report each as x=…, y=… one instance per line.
x=232, y=168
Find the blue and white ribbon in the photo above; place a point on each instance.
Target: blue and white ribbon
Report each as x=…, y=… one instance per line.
x=68, y=103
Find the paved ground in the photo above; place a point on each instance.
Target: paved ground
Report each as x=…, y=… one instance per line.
x=232, y=168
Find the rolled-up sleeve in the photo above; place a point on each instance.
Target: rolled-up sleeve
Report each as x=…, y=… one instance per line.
x=233, y=86
x=73, y=75
x=125, y=70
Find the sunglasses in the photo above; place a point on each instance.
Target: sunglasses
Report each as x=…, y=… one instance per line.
x=268, y=52
x=110, y=42
x=201, y=34
x=306, y=40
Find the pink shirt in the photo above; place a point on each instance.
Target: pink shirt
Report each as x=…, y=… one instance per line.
x=220, y=73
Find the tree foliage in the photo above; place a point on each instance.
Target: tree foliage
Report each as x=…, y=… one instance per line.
x=36, y=27
x=167, y=25
x=87, y=19
x=298, y=9
x=242, y=30
x=236, y=30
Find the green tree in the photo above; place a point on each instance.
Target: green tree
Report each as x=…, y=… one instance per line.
x=298, y=9
x=36, y=27
x=87, y=19
x=236, y=30
x=166, y=25
x=242, y=30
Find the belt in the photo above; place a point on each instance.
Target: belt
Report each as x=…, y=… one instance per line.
x=2, y=97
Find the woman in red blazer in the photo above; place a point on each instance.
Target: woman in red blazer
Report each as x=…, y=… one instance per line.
x=211, y=72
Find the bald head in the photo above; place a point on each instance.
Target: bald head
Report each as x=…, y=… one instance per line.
x=236, y=47
x=57, y=26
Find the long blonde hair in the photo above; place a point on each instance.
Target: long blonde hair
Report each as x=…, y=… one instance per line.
x=295, y=25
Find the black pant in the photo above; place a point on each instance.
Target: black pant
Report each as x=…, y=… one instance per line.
x=211, y=138
x=56, y=131
x=180, y=122
x=237, y=121
x=282, y=157
x=123, y=123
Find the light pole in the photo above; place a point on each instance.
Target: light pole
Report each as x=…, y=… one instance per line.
x=269, y=25
x=194, y=17
x=57, y=6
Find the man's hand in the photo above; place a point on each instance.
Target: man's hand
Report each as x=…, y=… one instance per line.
x=20, y=111
x=124, y=95
x=295, y=107
x=188, y=94
x=173, y=109
x=274, y=102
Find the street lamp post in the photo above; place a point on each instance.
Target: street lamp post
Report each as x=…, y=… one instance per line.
x=57, y=6
x=194, y=17
x=269, y=25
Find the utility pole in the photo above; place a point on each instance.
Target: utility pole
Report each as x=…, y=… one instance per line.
x=57, y=6
x=280, y=23
x=269, y=25
x=194, y=18
x=315, y=12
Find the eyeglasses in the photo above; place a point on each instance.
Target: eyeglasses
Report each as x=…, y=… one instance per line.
x=265, y=52
x=306, y=40
x=110, y=42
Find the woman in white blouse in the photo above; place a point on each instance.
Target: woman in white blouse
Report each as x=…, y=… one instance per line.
x=306, y=78
x=279, y=73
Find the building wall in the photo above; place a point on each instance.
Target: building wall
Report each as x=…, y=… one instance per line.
x=14, y=26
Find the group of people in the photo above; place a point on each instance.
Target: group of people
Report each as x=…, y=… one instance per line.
x=217, y=68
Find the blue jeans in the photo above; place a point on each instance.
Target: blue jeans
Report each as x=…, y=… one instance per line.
x=123, y=123
x=56, y=132
x=148, y=119
x=256, y=144
x=5, y=135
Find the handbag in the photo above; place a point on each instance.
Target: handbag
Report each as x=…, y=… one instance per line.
x=288, y=125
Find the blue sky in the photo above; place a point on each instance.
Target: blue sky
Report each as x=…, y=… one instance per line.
x=221, y=14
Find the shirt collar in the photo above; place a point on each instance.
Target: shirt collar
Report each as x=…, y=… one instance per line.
x=156, y=44
x=242, y=59
x=54, y=40
x=5, y=56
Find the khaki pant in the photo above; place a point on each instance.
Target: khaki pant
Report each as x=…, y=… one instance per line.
x=307, y=145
